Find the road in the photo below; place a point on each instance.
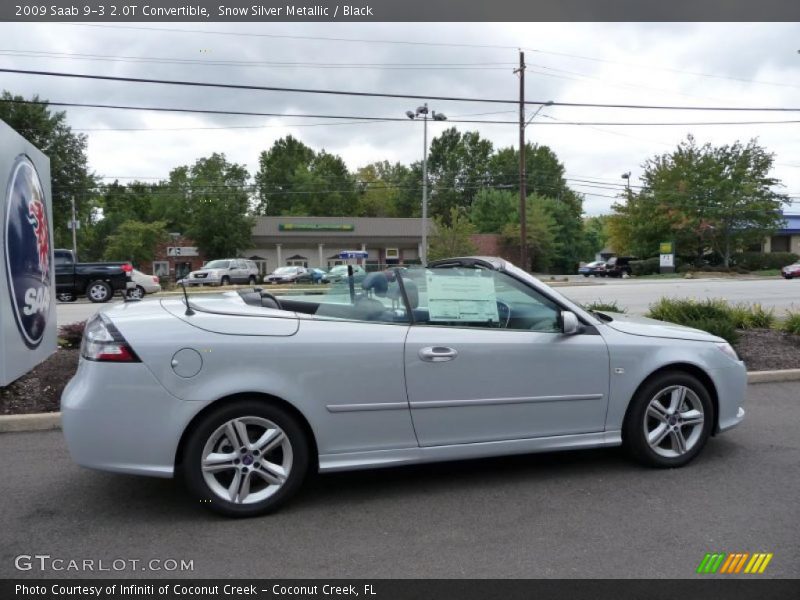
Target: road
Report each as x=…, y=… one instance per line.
x=574, y=514
x=633, y=294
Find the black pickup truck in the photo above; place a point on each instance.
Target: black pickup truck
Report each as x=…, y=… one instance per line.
x=97, y=281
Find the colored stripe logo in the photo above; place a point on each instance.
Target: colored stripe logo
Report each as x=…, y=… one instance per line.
x=734, y=563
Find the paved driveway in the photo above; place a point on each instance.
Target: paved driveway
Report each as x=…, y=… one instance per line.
x=573, y=514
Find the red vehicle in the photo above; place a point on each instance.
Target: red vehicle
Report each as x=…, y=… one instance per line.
x=791, y=271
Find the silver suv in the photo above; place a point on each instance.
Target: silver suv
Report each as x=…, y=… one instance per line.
x=224, y=272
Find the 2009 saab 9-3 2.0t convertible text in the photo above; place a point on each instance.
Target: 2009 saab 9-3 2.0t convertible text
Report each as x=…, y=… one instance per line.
x=242, y=392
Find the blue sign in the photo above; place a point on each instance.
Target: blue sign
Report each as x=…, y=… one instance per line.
x=344, y=254
x=28, y=251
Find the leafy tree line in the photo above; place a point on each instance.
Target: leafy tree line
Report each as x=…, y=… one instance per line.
x=712, y=201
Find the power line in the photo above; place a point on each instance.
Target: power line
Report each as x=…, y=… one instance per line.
x=391, y=95
x=355, y=118
x=258, y=64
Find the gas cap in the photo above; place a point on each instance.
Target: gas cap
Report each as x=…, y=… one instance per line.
x=187, y=362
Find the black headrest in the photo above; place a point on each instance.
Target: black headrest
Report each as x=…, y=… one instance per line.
x=376, y=282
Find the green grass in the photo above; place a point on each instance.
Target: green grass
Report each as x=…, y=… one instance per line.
x=792, y=323
x=767, y=272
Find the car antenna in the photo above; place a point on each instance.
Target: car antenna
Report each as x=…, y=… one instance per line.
x=189, y=312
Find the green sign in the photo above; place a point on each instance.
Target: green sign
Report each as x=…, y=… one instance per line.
x=665, y=248
x=315, y=227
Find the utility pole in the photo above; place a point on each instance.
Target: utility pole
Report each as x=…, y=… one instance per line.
x=523, y=225
x=74, y=229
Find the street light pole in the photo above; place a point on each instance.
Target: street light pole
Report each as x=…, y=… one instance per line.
x=423, y=112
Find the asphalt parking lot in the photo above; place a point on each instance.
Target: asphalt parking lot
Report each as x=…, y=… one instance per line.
x=574, y=514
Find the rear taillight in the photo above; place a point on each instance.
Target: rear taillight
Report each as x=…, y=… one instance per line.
x=127, y=268
x=102, y=342
x=155, y=279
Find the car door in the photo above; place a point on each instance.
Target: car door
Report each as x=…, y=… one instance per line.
x=238, y=271
x=487, y=362
x=65, y=271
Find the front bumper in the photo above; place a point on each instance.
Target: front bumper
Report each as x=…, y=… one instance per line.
x=118, y=417
x=731, y=384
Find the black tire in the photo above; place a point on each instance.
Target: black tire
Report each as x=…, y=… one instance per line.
x=191, y=468
x=251, y=280
x=99, y=292
x=66, y=297
x=586, y=274
x=137, y=292
x=225, y=280
x=633, y=430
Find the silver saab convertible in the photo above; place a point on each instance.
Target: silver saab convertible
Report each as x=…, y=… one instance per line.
x=243, y=393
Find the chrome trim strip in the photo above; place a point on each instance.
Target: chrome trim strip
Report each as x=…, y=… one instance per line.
x=496, y=401
x=335, y=408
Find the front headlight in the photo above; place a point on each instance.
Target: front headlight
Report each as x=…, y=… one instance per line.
x=728, y=350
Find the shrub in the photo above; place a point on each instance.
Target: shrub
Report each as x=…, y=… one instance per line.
x=760, y=261
x=70, y=336
x=759, y=317
x=714, y=316
x=649, y=266
x=792, y=323
x=605, y=306
x=720, y=327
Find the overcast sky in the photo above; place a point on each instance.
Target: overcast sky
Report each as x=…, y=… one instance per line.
x=744, y=65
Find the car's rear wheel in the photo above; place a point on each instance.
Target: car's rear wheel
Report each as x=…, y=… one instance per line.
x=246, y=458
x=137, y=293
x=252, y=280
x=225, y=280
x=669, y=420
x=99, y=291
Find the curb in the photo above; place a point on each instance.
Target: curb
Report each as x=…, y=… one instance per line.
x=773, y=376
x=50, y=421
x=31, y=422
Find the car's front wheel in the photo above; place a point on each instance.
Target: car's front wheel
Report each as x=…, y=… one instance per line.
x=246, y=458
x=669, y=420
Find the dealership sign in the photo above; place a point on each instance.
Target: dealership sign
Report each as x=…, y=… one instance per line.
x=27, y=292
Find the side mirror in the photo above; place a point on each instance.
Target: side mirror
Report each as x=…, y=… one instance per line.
x=569, y=323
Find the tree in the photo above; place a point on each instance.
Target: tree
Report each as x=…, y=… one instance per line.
x=458, y=167
x=541, y=232
x=281, y=168
x=494, y=209
x=388, y=190
x=135, y=241
x=595, y=235
x=451, y=237
x=69, y=171
x=217, y=206
x=702, y=197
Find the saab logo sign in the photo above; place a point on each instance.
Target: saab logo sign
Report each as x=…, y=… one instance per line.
x=27, y=235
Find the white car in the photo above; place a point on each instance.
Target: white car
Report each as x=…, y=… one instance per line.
x=285, y=275
x=144, y=284
x=243, y=393
x=224, y=272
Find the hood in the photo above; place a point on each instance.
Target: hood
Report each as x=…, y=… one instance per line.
x=660, y=329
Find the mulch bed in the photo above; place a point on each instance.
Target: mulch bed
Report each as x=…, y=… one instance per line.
x=40, y=390
x=768, y=349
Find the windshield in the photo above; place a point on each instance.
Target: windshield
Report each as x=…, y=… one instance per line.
x=218, y=264
x=284, y=270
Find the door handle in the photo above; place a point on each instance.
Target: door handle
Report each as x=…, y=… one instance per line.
x=437, y=354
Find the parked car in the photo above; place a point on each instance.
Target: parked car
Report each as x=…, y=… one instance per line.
x=791, y=271
x=224, y=272
x=98, y=281
x=145, y=284
x=596, y=268
x=477, y=359
x=618, y=266
x=339, y=273
x=313, y=275
x=285, y=275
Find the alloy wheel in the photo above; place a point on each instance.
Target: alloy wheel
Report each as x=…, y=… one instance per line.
x=673, y=421
x=246, y=460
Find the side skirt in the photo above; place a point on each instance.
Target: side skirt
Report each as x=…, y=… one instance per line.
x=407, y=456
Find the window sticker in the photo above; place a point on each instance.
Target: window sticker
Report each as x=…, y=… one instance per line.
x=462, y=298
